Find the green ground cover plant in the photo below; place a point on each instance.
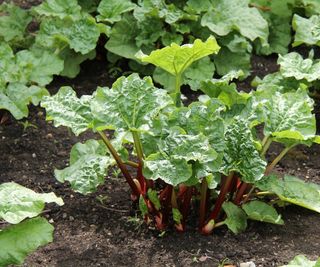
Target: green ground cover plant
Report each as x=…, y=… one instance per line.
x=22, y=207
x=206, y=155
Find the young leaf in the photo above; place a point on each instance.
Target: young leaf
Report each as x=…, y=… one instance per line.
x=111, y=10
x=303, y=36
x=59, y=8
x=302, y=261
x=18, y=203
x=177, y=216
x=236, y=217
x=66, y=109
x=130, y=104
x=293, y=65
x=17, y=241
x=143, y=206
x=88, y=167
x=241, y=155
x=16, y=98
x=260, y=211
x=292, y=190
x=229, y=15
x=153, y=196
x=176, y=59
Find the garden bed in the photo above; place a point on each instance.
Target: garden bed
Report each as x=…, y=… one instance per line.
x=102, y=229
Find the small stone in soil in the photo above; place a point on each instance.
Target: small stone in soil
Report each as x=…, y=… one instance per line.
x=247, y=264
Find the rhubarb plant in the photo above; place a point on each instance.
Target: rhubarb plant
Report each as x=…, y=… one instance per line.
x=206, y=156
x=21, y=207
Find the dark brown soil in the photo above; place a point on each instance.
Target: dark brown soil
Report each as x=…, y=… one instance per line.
x=90, y=231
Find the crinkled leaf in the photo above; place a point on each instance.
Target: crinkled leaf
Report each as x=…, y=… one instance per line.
x=176, y=59
x=18, y=203
x=81, y=35
x=225, y=91
x=111, y=10
x=293, y=65
x=17, y=241
x=122, y=38
x=302, y=261
x=177, y=216
x=241, y=155
x=236, y=217
x=13, y=22
x=66, y=109
x=130, y=104
x=307, y=30
x=143, y=206
x=293, y=190
x=59, y=8
x=289, y=115
x=88, y=167
x=229, y=15
x=172, y=164
x=16, y=98
x=260, y=211
x=153, y=196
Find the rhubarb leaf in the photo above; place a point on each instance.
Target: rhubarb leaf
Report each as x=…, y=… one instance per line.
x=111, y=10
x=17, y=241
x=293, y=65
x=13, y=23
x=302, y=261
x=130, y=104
x=289, y=116
x=18, y=203
x=59, y=8
x=236, y=217
x=303, y=36
x=16, y=97
x=241, y=155
x=229, y=15
x=89, y=163
x=173, y=164
x=260, y=211
x=293, y=190
x=66, y=109
x=176, y=59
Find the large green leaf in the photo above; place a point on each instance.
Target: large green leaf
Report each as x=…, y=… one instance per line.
x=130, y=104
x=89, y=163
x=173, y=164
x=19, y=240
x=293, y=190
x=16, y=97
x=307, y=30
x=289, y=116
x=302, y=261
x=13, y=23
x=260, y=211
x=81, y=35
x=111, y=10
x=241, y=155
x=236, y=217
x=122, y=38
x=18, y=203
x=176, y=59
x=225, y=91
x=293, y=65
x=59, y=8
x=66, y=109
x=228, y=15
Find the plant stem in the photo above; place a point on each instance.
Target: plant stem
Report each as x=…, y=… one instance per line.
x=186, y=204
x=136, y=192
x=240, y=193
x=177, y=90
x=266, y=142
x=203, y=202
x=132, y=164
x=277, y=159
x=223, y=192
